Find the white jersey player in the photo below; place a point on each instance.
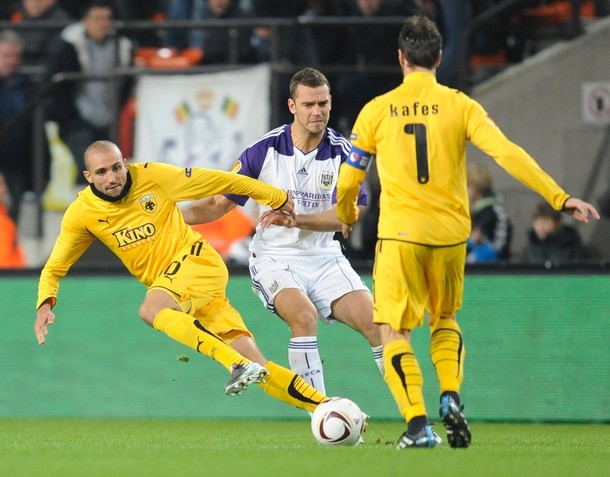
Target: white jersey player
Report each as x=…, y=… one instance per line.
x=298, y=270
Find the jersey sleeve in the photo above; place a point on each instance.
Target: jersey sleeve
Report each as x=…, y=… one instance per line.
x=249, y=164
x=349, y=184
x=353, y=170
x=486, y=135
x=195, y=183
x=73, y=240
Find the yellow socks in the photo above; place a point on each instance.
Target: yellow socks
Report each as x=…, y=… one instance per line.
x=190, y=332
x=404, y=378
x=447, y=353
x=286, y=386
x=280, y=383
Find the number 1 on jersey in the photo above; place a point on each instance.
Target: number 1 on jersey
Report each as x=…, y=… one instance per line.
x=421, y=150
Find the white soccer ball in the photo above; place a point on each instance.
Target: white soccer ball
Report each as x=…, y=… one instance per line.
x=338, y=421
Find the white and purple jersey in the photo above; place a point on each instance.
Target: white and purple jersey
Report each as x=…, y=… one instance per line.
x=310, y=178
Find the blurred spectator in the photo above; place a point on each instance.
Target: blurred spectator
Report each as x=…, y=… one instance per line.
x=550, y=240
x=289, y=43
x=324, y=44
x=479, y=249
x=134, y=10
x=219, y=45
x=43, y=44
x=11, y=255
x=15, y=137
x=86, y=110
x=358, y=88
x=491, y=228
x=456, y=15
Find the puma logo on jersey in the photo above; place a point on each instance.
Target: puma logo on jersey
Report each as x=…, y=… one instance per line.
x=106, y=220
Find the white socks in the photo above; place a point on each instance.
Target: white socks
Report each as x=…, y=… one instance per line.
x=378, y=356
x=305, y=361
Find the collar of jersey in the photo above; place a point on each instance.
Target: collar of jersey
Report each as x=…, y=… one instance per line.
x=420, y=77
x=108, y=198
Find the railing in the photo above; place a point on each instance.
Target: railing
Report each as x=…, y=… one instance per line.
x=279, y=65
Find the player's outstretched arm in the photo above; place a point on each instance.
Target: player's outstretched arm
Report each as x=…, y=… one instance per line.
x=44, y=317
x=580, y=210
x=207, y=210
x=326, y=221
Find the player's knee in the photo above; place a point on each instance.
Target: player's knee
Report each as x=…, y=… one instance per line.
x=303, y=323
x=147, y=313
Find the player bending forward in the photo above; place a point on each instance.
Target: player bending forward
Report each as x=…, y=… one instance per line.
x=132, y=210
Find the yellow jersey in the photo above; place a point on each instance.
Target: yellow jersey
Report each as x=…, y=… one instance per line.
x=144, y=229
x=418, y=134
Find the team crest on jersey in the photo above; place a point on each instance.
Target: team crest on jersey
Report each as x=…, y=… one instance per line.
x=236, y=166
x=327, y=179
x=149, y=204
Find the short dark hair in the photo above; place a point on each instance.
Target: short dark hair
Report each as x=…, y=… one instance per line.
x=544, y=209
x=309, y=77
x=105, y=4
x=420, y=41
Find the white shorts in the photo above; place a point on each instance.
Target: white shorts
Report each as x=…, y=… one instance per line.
x=323, y=279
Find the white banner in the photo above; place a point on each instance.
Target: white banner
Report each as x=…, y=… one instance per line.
x=203, y=120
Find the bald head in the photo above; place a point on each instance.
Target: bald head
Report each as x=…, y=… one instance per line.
x=102, y=147
x=106, y=169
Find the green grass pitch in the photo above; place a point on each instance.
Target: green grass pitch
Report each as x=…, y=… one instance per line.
x=181, y=448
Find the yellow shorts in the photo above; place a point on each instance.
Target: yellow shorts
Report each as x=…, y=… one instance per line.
x=197, y=279
x=411, y=279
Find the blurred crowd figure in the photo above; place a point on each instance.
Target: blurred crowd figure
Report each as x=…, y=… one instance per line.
x=551, y=241
x=219, y=45
x=40, y=45
x=15, y=134
x=11, y=255
x=86, y=110
x=491, y=233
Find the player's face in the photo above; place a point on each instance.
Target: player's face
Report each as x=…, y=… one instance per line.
x=311, y=108
x=107, y=171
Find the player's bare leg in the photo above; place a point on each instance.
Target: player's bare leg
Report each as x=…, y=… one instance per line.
x=355, y=309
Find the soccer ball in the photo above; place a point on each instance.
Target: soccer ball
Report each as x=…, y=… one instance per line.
x=338, y=421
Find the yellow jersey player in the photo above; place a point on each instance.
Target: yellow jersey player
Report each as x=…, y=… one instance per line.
x=133, y=210
x=418, y=134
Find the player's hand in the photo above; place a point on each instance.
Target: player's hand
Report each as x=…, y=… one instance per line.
x=346, y=230
x=580, y=210
x=44, y=317
x=276, y=217
x=288, y=207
